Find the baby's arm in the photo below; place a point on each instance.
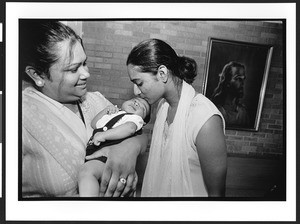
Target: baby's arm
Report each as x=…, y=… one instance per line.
x=122, y=131
x=111, y=109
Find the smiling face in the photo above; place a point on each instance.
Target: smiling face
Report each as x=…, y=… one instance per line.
x=146, y=85
x=137, y=106
x=68, y=76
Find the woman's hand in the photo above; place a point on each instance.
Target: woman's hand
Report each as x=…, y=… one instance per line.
x=121, y=163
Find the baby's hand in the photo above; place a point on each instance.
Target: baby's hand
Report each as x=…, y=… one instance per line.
x=112, y=109
x=98, y=138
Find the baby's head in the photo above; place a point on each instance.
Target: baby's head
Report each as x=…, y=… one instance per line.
x=137, y=106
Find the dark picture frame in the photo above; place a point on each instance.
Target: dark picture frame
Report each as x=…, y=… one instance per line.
x=252, y=63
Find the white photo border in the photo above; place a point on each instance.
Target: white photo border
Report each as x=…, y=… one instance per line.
x=146, y=210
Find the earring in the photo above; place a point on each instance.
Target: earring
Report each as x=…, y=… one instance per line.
x=39, y=83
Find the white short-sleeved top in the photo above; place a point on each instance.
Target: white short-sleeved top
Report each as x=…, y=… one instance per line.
x=201, y=110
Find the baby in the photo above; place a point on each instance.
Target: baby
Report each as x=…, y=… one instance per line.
x=111, y=126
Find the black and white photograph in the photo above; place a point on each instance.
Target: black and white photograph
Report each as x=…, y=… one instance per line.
x=114, y=111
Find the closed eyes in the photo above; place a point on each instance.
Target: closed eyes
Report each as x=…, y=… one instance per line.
x=136, y=103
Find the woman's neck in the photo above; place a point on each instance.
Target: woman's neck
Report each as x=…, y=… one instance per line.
x=172, y=95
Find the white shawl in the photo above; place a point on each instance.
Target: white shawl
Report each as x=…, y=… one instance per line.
x=53, y=143
x=167, y=173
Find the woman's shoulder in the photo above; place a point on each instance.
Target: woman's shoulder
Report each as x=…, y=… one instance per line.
x=201, y=101
x=96, y=96
x=201, y=110
x=28, y=91
x=94, y=101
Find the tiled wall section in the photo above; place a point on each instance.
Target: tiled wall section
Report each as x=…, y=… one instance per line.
x=108, y=43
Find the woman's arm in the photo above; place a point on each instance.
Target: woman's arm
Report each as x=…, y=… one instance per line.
x=121, y=163
x=211, y=149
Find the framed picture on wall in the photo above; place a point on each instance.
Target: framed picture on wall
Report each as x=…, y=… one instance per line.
x=235, y=80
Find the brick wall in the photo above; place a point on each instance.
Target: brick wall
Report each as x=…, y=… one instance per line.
x=108, y=43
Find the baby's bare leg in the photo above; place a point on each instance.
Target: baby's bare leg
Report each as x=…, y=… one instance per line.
x=88, y=179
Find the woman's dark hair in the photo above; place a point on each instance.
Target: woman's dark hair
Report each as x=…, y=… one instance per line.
x=225, y=76
x=150, y=54
x=38, y=44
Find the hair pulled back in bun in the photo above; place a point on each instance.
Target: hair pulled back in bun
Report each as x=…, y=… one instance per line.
x=150, y=54
x=187, y=69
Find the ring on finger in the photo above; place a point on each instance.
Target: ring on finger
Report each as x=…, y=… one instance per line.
x=123, y=180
